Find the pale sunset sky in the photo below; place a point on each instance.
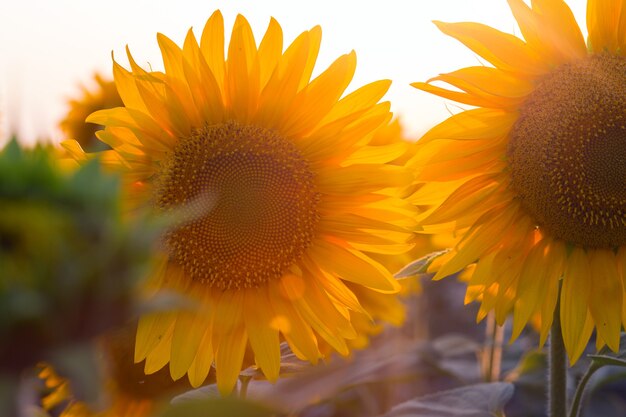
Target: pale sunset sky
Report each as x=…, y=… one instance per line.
x=49, y=48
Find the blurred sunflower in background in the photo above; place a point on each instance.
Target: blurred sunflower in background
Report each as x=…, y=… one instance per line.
x=276, y=191
x=534, y=177
x=103, y=96
x=126, y=390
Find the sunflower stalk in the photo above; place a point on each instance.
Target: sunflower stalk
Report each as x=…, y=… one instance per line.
x=557, y=398
x=492, y=352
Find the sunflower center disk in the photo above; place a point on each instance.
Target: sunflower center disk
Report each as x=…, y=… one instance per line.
x=567, y=152
x=247, y=204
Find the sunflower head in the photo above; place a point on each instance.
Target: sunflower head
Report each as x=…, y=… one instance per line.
x=277, y=195
x=534, y=177
x=103, y=96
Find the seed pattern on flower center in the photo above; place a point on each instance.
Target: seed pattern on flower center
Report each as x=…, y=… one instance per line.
x=567, y=152
x=247, y=201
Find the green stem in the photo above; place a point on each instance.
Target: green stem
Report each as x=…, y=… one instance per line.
x=557, y=397
x=580, y=389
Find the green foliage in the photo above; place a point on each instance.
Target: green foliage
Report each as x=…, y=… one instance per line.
x=420, y=266
x=604, y=360
x=68, y=262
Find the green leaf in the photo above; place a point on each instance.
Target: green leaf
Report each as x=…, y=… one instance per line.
x=603, y=360
x=606, y=357
x=419, y=266
x=480, y=400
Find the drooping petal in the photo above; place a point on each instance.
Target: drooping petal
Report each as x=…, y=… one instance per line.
x=606, y=296
x=574, y=302
x=263, y=334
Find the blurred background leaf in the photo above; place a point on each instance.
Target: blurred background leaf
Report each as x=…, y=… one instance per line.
x=219, y=407
x=480, y=400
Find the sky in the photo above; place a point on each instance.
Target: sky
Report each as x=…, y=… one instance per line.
x=48, y=49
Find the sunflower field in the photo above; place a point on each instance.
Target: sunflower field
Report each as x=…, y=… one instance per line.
x=240, y=224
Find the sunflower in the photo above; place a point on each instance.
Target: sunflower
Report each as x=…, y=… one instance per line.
x=534, y=176
x=275, y=191
x=103, y=96
x=128, y=391
x=392, y=139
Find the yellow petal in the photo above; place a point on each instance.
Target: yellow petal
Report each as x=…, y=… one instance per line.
x=542, y=268
x=270, y=50
x=605, y=25
x=575, y=301
x=488, y=81
x=547, y=310
x=296, y=331
x=317, y=98
x=503, y=50
x=159, y=108
x=357, y=102
x=362, y=178
x=160, y=355
x=531, y=286
x=472, y=125
x=230, y=339
x=212, y=46
x=180, y=99
x=189, y=330
x=337, y=140
x=172, y=56
x=565, y=34
x=579, y=347
x=621, y=261
x=464, y=198
x=353, y=266
x=605, y=298
x=478, y=242
x=259, y=317
x=315, y=39
x=229, y=358
x=461, y=97
x=242, y=82
x=379, y=154
x=201, y=365
x=551, y=29
x=529, y=25
x=281, y=88
x=203, y=85
x=334, y=287
x=127, y=89
x=326, y=330
x=151, y=329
